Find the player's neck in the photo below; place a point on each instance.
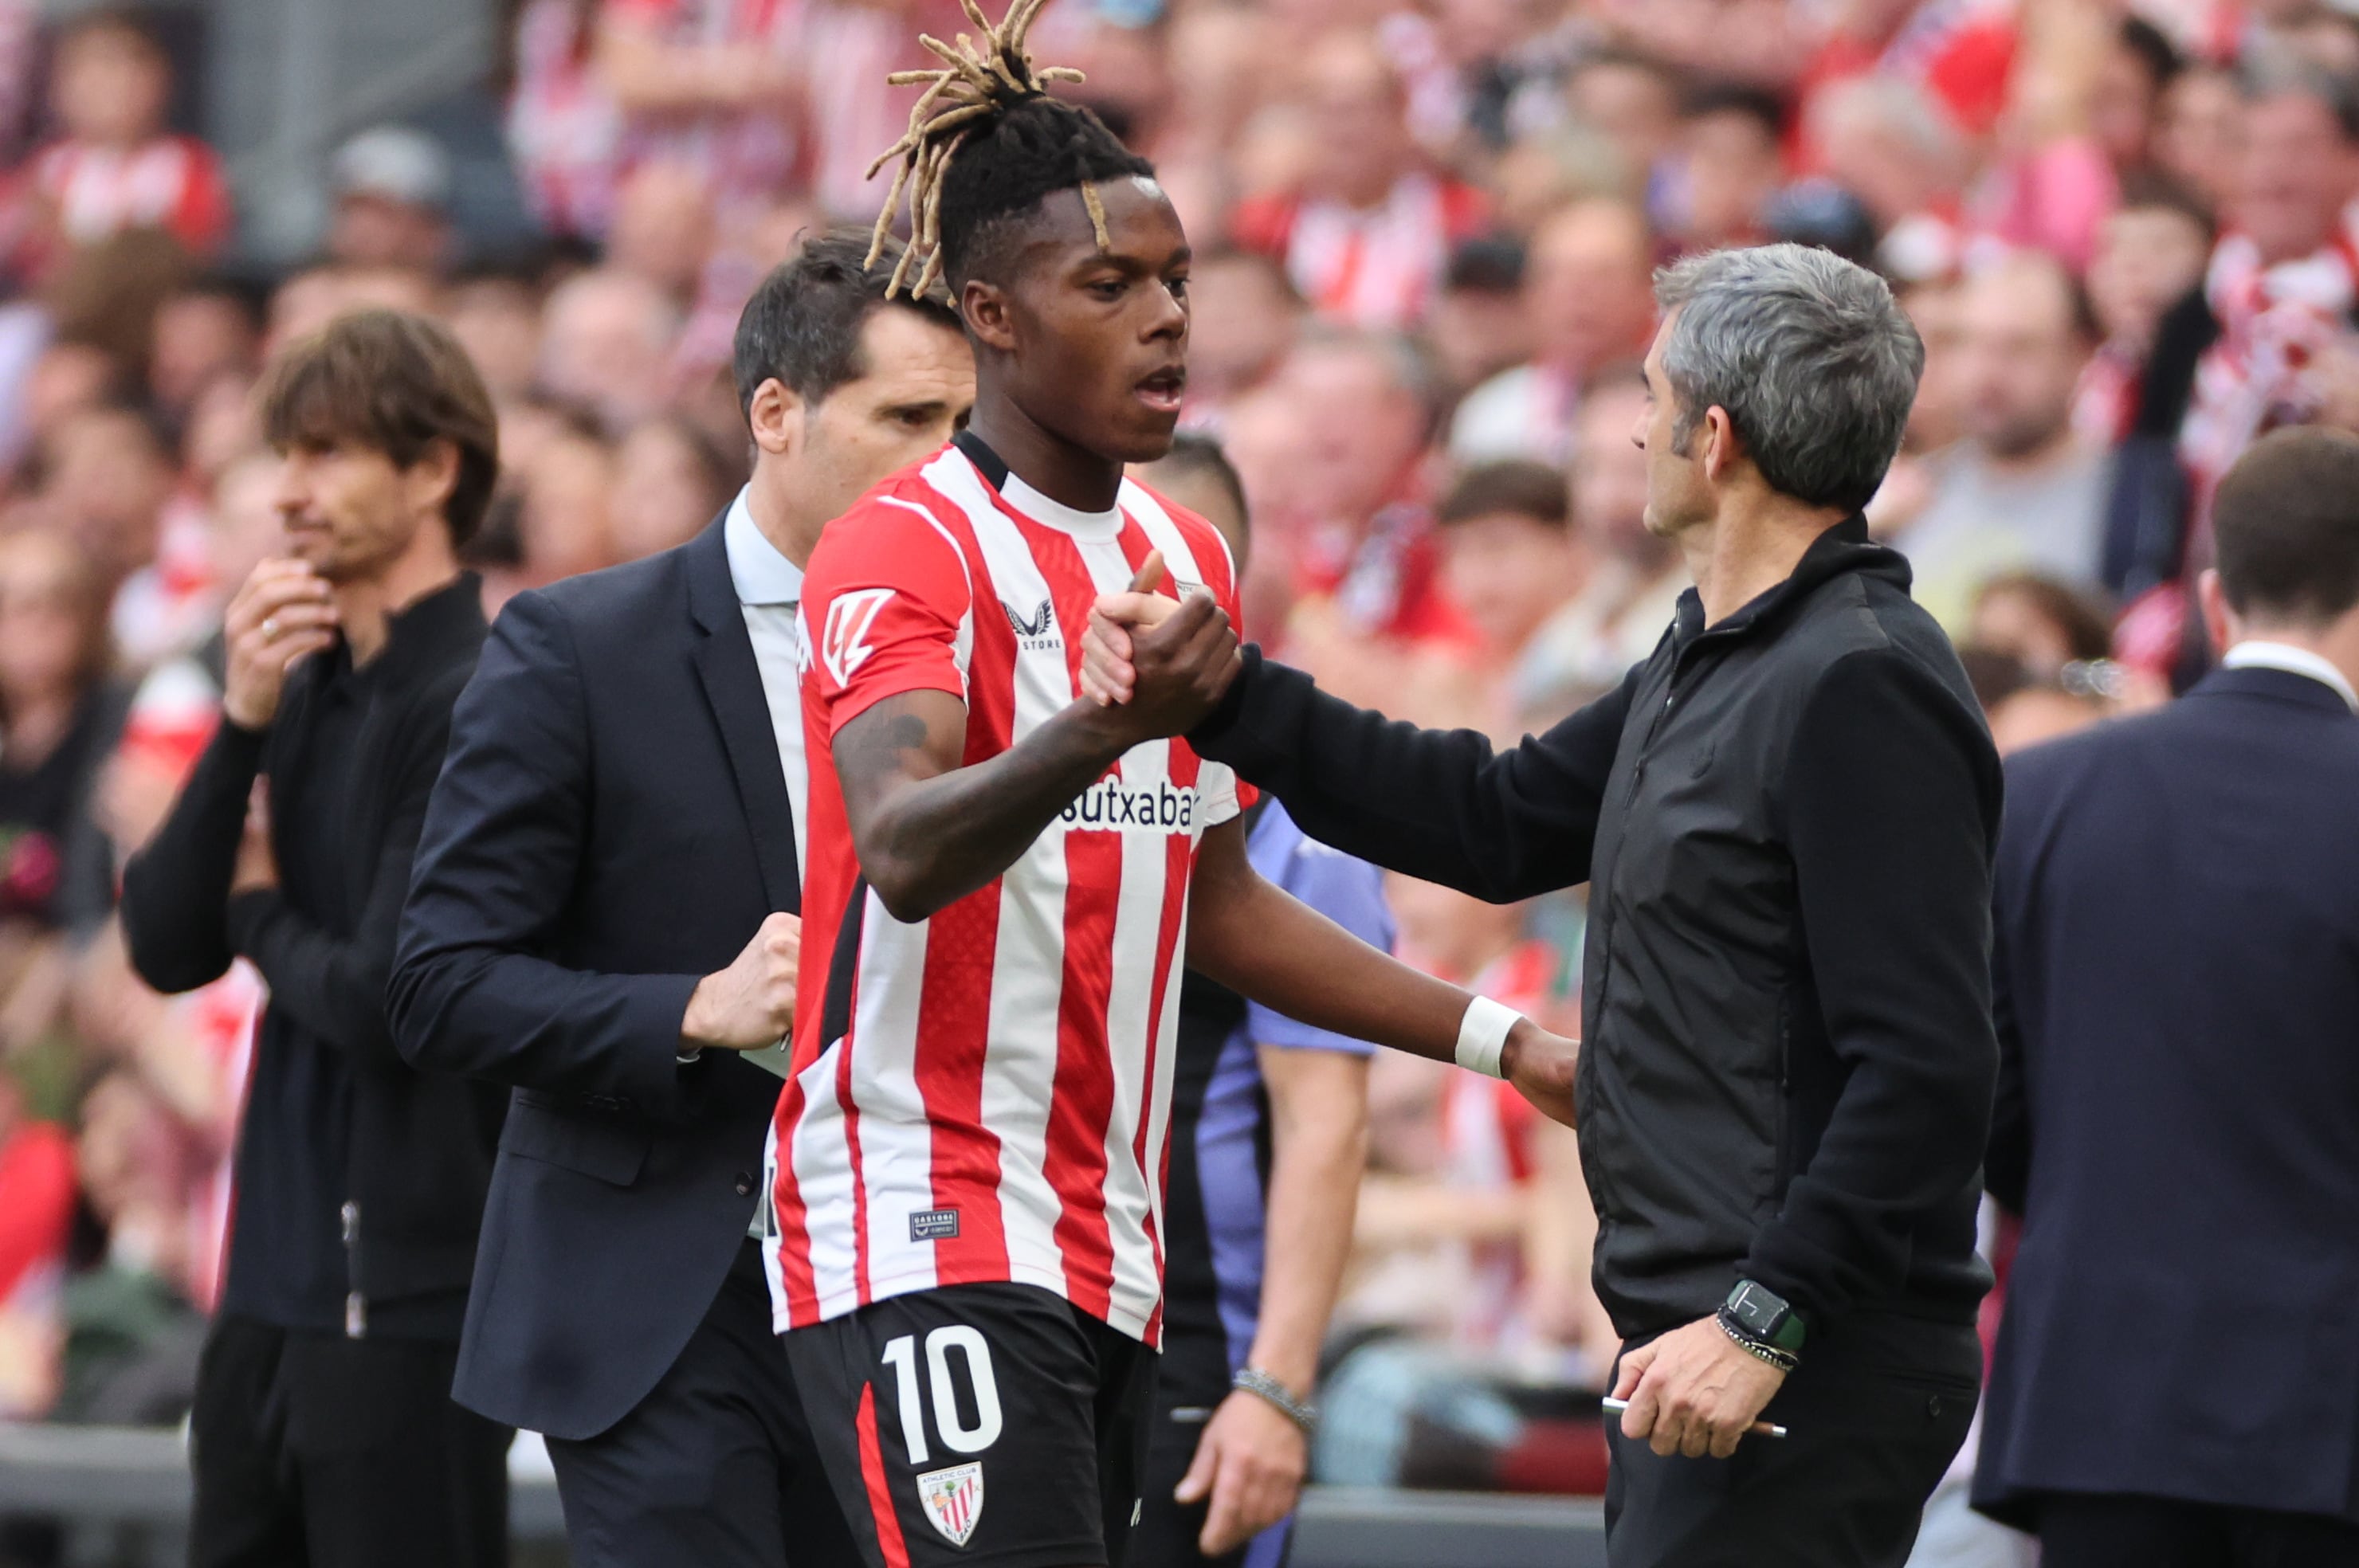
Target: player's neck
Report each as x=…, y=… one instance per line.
x=366, y=606
x=1066, y=473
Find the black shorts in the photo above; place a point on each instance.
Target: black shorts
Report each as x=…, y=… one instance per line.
x=979, y=1424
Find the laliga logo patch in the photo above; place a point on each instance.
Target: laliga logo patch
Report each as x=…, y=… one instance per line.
x=845, y=647
x=953, y=1499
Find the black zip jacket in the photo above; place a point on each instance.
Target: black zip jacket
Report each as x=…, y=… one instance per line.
x=360, y=1179
x=1786, y=823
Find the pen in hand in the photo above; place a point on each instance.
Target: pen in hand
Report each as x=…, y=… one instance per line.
x=1758, y=1429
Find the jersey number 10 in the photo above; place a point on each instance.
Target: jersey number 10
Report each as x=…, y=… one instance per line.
x=901, y=1355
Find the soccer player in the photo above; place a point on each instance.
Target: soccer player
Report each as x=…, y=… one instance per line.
x=1004, y=879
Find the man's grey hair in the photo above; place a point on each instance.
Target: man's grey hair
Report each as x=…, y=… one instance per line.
x=1809, y=354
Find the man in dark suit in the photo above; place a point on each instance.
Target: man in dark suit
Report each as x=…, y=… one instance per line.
x=604, y=916
x=2177, y=1380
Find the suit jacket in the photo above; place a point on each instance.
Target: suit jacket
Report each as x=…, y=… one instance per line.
x=2178, y=964
x=612, y=824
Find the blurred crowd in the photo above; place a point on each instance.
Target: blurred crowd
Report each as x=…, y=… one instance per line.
x=1425, y=231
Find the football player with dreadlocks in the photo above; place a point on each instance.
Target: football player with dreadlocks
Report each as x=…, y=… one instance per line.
x=1004, y=879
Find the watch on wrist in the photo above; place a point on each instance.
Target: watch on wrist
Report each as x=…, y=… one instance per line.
x=1764, y=1316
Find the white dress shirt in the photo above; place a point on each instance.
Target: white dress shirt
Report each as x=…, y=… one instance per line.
x=2260, y=655
x=769, y=591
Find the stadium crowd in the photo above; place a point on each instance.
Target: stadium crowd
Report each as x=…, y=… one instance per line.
x=1424, y=233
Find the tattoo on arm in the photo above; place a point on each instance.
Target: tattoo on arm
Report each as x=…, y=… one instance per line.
x=929, y=831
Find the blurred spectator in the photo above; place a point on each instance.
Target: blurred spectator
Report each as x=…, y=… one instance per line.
x=108, y=473
x=206, y=329
x=606, y=339
x=1955, y=54
x=1588, y=295
x=495, y=316
x=670, y=479
x=1366, y=234
x=1243, y=318
x=1634, y=104
x=65, y=377
x=37, y=1171
x=2200, y=132
x=2126, y=104
x=1513, y=561
x=1905, y=160
x=2151, y=252
x=566, y=521
x=1372, y=606
x=713, y=83
x=2266, y=343
x=2020, y=488
x=1478, y=326
x=130, y=1334
x=663, y=228
x=316, y=296
x=392, y=188
x=1641, y=576
x=59, y=718
x=2043, y=711
x=1439, y=1246
x=116, y=165
x=2040, y=622
x=564, y=128
x=1731, y=163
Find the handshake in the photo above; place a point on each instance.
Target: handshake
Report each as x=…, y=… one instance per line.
x=1165, y=662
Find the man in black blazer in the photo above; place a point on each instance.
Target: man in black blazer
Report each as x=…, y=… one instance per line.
x=604, y=916
x=2176, y=1379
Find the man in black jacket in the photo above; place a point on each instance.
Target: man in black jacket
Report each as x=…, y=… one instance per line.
x=324, y=1431
x=606, y=917
x=1786, y=818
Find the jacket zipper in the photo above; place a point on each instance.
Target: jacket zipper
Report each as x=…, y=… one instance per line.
x=1601, y=1180
x=355, y=1307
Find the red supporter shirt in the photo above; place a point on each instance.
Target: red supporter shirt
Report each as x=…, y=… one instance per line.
x=174, y=183
x=990, y=1099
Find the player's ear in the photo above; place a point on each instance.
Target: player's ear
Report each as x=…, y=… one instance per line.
x=989, y=321
x=775, y=416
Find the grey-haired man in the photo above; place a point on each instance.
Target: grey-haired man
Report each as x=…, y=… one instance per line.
x=1786, y=818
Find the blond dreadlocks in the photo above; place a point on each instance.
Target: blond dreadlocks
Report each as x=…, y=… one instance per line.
x=989, y=88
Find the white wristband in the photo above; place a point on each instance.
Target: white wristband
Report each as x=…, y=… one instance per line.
x=1483, y=1035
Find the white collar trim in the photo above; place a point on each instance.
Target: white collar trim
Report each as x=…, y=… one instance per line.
x=2260, y=655
x=1087, y=526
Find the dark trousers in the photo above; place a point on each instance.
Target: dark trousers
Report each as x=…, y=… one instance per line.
x=2079, y=1530
x=1875, y=1412
x=314, y=1451
x=716, y=1466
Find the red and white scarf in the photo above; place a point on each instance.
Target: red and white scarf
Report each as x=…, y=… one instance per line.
x=1374, y=268
x=2273, y=321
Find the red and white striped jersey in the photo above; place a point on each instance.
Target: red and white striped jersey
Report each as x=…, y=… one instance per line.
x=985, y=1094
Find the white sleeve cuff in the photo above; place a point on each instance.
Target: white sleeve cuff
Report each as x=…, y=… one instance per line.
x=1483, y=1035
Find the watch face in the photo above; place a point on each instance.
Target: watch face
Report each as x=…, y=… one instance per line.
x=1756, y=1311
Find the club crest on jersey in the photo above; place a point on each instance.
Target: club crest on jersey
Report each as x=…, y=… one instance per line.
x=843, y=646
x=953, y=1499
x=1036, y=631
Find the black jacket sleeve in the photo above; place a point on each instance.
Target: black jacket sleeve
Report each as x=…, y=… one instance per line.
x=176, y=891
x=1892, y=794
x=474, y=990
x=1437, y=805
x=2007, y=1168
x=335, y=985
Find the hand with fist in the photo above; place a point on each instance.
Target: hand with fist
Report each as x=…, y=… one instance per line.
x=750, y=1005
